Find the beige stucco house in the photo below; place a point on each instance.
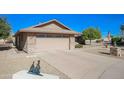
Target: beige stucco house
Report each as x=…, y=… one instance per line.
x=51, y=35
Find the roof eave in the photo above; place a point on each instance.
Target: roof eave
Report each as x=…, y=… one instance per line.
x=71, y=33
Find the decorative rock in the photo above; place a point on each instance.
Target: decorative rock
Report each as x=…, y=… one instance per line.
x=115, y=51
x=25, y=75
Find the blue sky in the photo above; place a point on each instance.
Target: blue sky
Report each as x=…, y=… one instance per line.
x=77, y=22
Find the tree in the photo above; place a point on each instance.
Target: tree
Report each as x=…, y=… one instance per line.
x=5, y=28
x=122, y=31
x=116, y=39
x=91, y=34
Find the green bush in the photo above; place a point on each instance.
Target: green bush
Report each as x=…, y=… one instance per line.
x=78, y=46
x=117, y=40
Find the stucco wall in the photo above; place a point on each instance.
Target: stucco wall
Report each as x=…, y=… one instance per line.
x=72, y=42
x=53, y=26
x=25, y=43
x=17, y=41
x=21, y=41
x=31, y=42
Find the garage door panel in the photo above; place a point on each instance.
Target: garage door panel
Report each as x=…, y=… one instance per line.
x=52, y=43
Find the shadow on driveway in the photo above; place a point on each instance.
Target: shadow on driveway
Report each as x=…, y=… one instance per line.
x=104, y=53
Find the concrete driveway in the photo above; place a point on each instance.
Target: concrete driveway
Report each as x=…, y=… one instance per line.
x=80, y=64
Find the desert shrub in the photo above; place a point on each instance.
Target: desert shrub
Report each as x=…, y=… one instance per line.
x=78, y=46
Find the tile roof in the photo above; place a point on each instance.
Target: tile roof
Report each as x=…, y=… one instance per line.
x=39, y=28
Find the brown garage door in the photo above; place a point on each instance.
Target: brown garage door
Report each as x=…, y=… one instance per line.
x=52, y=43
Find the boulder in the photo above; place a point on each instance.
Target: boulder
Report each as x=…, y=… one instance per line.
x=115, y=51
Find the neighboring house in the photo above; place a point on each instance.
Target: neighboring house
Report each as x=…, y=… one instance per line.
x=107, y=40
x=51, y=35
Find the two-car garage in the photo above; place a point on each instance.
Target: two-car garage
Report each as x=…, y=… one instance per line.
x=50, y=42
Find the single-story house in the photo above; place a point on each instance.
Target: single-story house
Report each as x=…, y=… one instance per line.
x=51, y=35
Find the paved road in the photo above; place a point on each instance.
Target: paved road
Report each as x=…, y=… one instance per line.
x=80, y=64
